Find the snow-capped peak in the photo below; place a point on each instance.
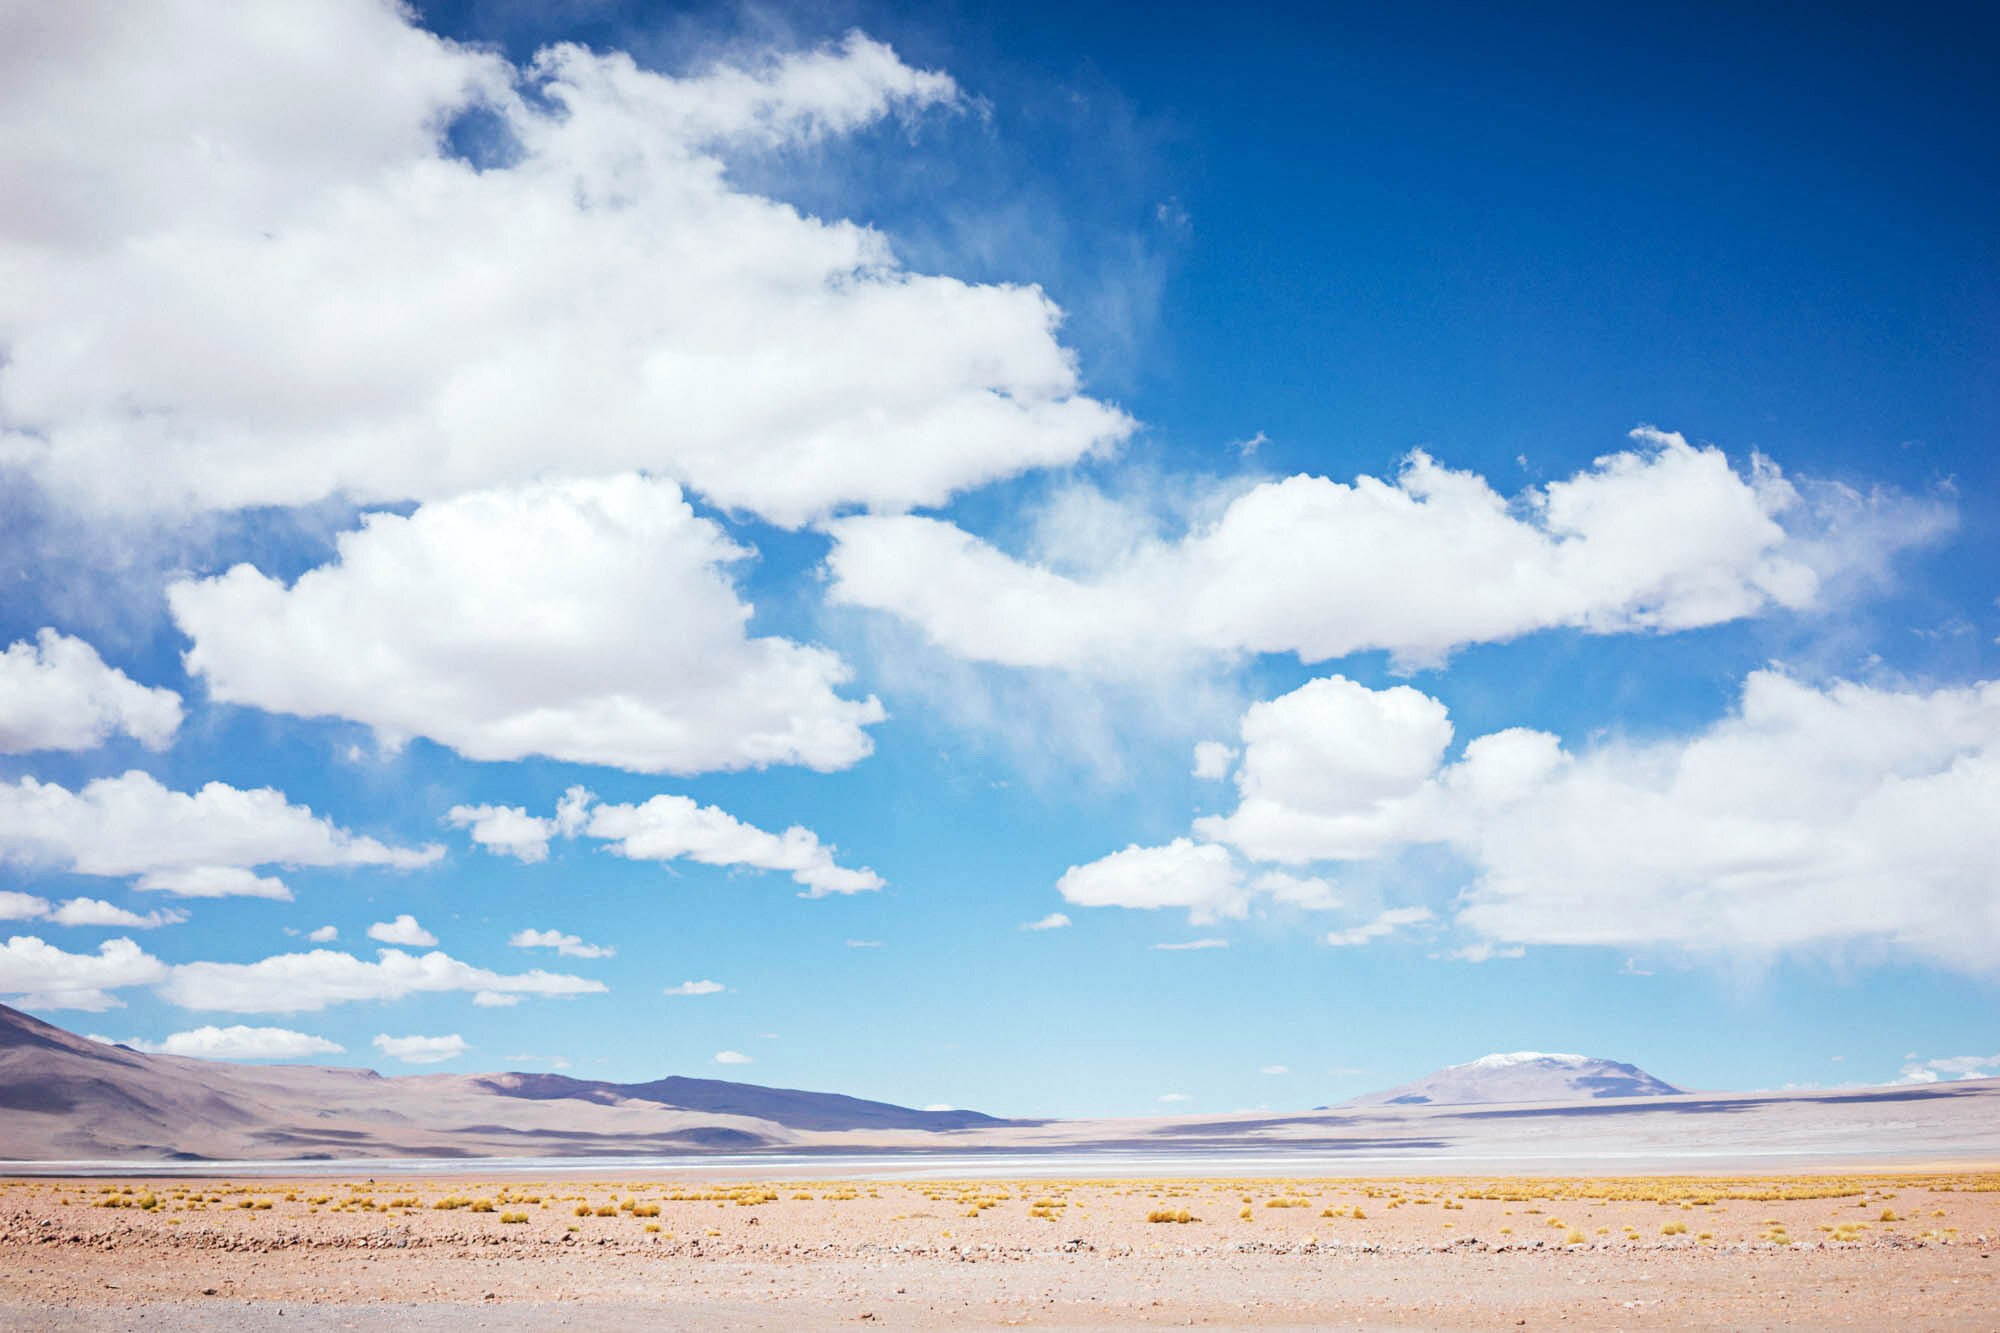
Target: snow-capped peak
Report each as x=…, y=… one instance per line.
x=1525, y=1058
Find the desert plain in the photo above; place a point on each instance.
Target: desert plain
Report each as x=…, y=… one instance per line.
x=1906, y=1249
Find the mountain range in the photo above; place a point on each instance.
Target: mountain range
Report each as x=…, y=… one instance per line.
x=68, y=1098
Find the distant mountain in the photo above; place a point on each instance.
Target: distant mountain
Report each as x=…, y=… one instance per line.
x=1522, y=1076
x=785, y=1106
x=63, y=1096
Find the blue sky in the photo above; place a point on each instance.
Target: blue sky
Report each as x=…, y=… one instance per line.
x=1009, y=557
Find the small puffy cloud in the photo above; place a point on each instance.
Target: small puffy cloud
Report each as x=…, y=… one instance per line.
x=57, y=694
x=196, y=844
x=1198, y=876
x=1953, y=1066
x=1212, y=759
x=403, y=930
x=1275, y=1069
x=421, y=1050
x=1661, y=537
x=41, y=976
x=213, y=882
x=240, y=1043
x=83, y=912
x=1175, y=1097
x=695, y=988
x=307, y=982
x=97, y=912
x=591, y=620
x=493, y=999
x=552, y=1061
x=940, y=1106
x=1388, y=923
x=1311, y=893
x=323, y=934
x=21, y=906
x=1053, y=921
x=569, y=946
x=864, y=944
x=1208, y=943
x=573, y=811
x=1485, y=951
x=505, y=830
x=667, y=828
x=732, y=1058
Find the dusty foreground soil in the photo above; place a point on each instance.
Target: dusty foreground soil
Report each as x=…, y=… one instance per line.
x=1912, y=1251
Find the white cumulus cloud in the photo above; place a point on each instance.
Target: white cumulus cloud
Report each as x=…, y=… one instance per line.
x=507, y=830
x=695, y=988
x=57, y=694
x=97, y=912
x=41, y=976
x=732, y=1058
x=1208, y=942
x=251, y=273
x=1053, y=921
x=421, y=1050
x=21, y=906
x=667, y=828
x=403, y=930
x=1199, y=876
x=1811, y=816
x=1212, y=760
x=1330, y=769
x=238, y=1042
x=1661, y=537
x=213, y=882
x=196, y=844
x=323, y=934
x=295, y=983
x=591, y=620
x=569, y=946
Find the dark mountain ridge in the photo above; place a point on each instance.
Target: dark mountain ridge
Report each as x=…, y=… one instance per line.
x=791, y=1107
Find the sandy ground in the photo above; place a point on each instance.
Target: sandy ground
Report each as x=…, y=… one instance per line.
x=1912, y=1250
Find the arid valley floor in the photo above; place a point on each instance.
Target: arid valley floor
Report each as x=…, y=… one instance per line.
x=1912, y=1250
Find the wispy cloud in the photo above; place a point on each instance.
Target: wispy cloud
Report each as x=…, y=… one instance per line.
x=421, y=1050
